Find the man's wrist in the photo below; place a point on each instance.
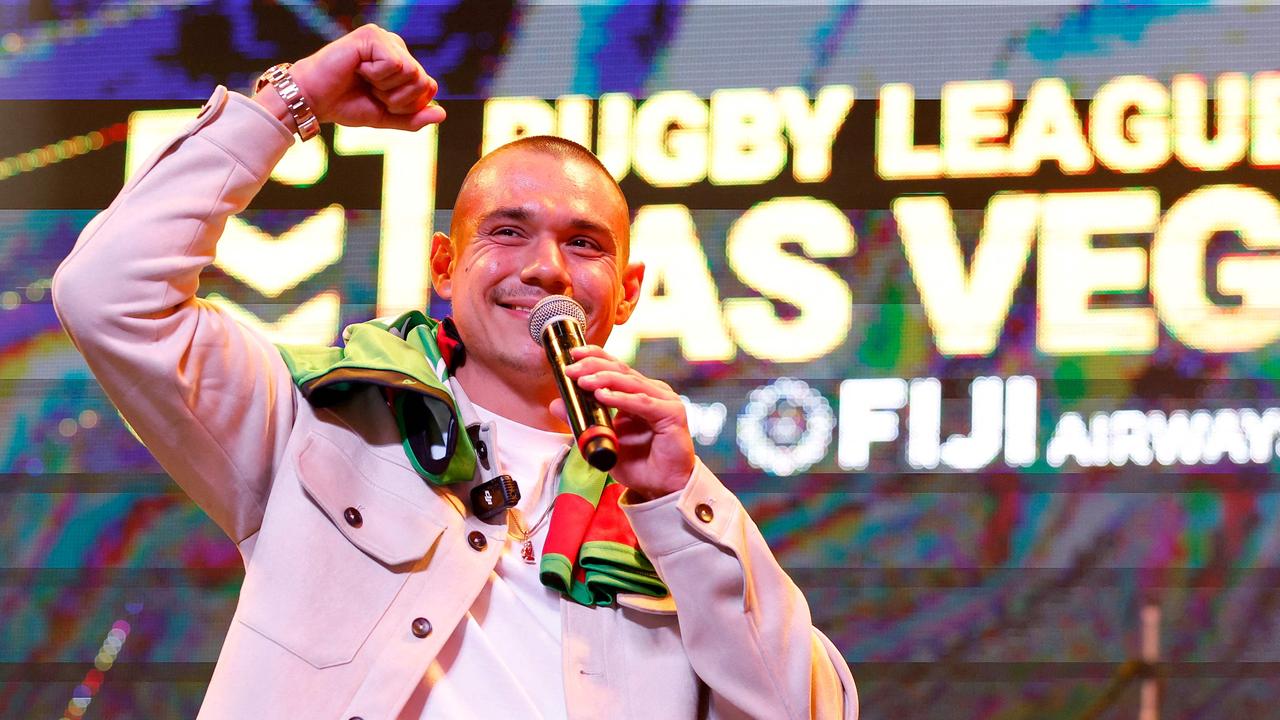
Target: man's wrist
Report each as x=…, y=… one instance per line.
x=280, y=78
x=269, y=99
x=637, y=496
x=696, y=514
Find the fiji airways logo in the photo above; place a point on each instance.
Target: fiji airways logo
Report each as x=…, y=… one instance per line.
x=787, y=426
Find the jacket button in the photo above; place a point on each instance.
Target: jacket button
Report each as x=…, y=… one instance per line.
x=352, y=516
x=421, y=627
x=703, y=511
x=477, y=540
x=482, y=452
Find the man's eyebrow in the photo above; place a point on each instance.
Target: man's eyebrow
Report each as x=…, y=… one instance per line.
x=516, y=214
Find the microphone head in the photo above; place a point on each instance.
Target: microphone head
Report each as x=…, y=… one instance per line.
x=552, y=308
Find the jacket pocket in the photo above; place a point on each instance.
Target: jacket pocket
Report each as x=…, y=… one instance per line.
x=334, y=550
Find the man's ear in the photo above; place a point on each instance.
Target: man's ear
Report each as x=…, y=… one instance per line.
x=632, y=279
x=442, y=265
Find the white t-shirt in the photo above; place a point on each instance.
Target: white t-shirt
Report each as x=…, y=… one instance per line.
x=504, y=658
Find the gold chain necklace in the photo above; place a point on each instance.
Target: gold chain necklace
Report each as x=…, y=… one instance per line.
x=521, y=535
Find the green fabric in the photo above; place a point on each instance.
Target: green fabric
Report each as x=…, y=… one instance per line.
x=578, y=477
x=403, y=357
x=612, y=567
x=400, y=356
x=556, y=571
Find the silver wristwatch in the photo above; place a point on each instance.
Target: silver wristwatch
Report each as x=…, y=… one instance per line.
x=282, y=81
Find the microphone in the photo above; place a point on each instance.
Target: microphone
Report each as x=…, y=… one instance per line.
x=556, y=323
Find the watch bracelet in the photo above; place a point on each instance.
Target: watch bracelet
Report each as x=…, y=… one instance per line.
x=304, y=118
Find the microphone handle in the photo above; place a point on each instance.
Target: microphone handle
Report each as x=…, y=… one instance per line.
x=590, y=421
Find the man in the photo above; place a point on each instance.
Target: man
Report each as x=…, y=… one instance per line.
x=373, y=588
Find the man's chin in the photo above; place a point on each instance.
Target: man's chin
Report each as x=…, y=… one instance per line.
x=532, y=364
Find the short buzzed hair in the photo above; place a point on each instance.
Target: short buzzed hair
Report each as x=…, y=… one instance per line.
x=558, y=146
x=554, y=145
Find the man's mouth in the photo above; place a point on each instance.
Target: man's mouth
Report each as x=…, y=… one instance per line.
x=523, y=306
x=517, y=307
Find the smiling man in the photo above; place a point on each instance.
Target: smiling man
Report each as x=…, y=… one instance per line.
x=540, y=216
x=376, y=585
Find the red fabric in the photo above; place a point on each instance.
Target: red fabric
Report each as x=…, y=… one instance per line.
x=449, y=343
x=609, y=523
x=569, y=521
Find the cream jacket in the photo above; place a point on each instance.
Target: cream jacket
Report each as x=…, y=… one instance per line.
x=340, y=621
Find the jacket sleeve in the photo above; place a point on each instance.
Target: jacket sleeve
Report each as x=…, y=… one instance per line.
x=745, y=625
x=212, y=400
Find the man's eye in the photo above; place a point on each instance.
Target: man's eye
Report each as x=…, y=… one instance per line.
x=507, y=233
x=583, y=242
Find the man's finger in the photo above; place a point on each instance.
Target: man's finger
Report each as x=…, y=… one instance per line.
x=644, y=406
x=390, y=71
x=592, y=358
x=382, y=74
x=429, y=115
x=432, y=114
x=625, y=382
x=585, y=351
x=405, y=99
x=589, y=365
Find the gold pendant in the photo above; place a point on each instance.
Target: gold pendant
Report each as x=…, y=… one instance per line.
x=526, y=552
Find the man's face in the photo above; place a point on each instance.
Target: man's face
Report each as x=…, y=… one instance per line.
x=529, y=224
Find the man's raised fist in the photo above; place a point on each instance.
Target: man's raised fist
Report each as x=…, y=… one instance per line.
x=365, y=78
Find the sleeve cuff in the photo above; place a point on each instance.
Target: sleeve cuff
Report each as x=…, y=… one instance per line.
x=701, y=512
x=244, y=130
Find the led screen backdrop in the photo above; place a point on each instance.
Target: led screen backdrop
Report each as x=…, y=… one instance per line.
x=975, y=307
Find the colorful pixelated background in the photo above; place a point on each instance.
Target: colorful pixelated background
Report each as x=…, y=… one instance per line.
x=974, y=307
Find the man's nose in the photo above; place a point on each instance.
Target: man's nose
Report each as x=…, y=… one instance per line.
x=545, y=267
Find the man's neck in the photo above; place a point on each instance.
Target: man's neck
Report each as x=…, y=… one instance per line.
x=523, y=399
